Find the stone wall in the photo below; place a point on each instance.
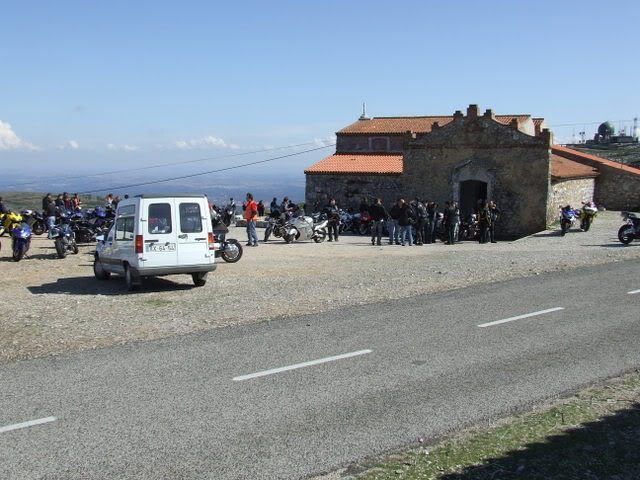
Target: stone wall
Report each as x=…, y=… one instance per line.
x=570, y=192
x=615, y=188
x=514, y=165
x=348, y=190
x=368, y=143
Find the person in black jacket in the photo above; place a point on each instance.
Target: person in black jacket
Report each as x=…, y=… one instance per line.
x=333, y=219
x=394, y=228
x=406, y=221
x=421, y=216
x=494, y=213
x=431, y=222
x=378, y=217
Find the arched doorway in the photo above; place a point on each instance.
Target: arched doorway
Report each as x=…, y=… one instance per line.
x=470, y=192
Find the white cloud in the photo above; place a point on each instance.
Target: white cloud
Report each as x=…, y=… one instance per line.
x=72, y=144
x=323, y=142
x=10, y=141
x=204, y=142
x=123, y=148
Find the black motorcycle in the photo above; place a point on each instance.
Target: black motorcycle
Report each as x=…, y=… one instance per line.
x=630, y=231
x=36, y=221
x=229, y=249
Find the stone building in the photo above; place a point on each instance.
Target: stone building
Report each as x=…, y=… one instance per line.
x=507, y=158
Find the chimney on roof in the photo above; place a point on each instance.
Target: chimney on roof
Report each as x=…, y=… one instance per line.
x=473, y=111
x=514, y=123
x=458, y=114
x=547, y=135
x=489, y=114
x=364, y=112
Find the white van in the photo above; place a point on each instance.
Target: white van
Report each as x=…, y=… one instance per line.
x=157, y=235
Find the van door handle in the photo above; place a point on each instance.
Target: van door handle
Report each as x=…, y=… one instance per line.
x=184, y=235
x=200, y=239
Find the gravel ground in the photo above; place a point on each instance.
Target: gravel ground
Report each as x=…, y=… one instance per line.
x=53, y=306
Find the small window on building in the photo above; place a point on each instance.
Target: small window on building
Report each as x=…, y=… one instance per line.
x=380, y=144
x=124, y=229
x=159, y=218
x=190, y=218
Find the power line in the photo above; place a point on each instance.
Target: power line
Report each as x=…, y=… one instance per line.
x=170, y=164
x=171, y=179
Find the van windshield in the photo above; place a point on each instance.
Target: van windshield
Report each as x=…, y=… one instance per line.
x=159, y=218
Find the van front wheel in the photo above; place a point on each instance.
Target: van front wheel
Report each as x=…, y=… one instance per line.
x=199, y=279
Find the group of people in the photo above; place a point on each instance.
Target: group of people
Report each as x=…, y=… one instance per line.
x=416, y=222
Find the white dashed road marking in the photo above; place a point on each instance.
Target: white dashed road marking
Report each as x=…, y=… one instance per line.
x=30, y=423
x=301, y=365
x=633, y=291
x=519, y=317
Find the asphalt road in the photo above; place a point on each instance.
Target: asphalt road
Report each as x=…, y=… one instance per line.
x=191, y=408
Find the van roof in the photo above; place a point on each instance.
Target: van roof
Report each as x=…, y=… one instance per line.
x=164, y=195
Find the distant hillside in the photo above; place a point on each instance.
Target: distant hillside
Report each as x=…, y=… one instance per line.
x=18, y=201
x=625, y=154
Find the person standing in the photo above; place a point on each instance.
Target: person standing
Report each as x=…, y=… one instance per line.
x=494, y=213
x=67, y=201
x=251, y=215
x=261, y=208
x=45, y=202
x=484, y=222
x=394, y=227
x=452, y=221
x=406, y=223
x=50, y=212
x=76, y=202
x=378, y=217
x=421, y=215
x=333, y=219
x=431, y=221
x=60, y=202
x=3, y=207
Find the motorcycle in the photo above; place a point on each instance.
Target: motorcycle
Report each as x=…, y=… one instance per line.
x=364, y=223
x=587, y=214
x=20, y=241
x=630, y=231
x=10, y=221
x=567, y=219
x=275, y=226
x=303, y=228
x=36, y=221
x=64, y=239
x=346, y=222
x=229, y=213
x=229, y=249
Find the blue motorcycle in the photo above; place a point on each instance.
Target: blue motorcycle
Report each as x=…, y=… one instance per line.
x=20, y=241
x=64, y=239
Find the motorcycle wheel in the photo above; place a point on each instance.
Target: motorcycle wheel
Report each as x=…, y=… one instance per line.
x=625, y=234
x=39, y=228
x=320, y=236
x=234, y=253
x=61, y=248
x=363, y=229
x=586, y=225
x=267, y=233
x=18, y=253
x=287, y=238
x=564, y=226
x=74, y=248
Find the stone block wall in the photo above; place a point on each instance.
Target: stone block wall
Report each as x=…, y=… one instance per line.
x=570, y=192
x=348, y=190
x=367, y=143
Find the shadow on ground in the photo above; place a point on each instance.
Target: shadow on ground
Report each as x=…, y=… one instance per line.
x=114, y=286
x=605, y=449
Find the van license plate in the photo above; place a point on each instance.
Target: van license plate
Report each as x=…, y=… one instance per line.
x=160, y=247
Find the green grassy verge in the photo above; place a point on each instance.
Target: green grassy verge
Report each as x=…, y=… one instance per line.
x=593, y=435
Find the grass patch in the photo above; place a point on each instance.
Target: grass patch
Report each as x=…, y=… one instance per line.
x=593, y=435
x=18, y=201
x=157, y=302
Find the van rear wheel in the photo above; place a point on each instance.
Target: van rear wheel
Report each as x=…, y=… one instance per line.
x=132, y=282
x=199, y=279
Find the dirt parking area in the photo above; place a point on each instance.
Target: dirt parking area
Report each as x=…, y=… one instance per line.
x=52, y=306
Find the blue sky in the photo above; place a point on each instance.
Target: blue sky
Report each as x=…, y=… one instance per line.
x=94, y=84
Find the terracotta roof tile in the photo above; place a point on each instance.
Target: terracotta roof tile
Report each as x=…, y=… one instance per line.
x=538, y=121
x=576, y=155
x=375, y=164
x=563, y=168
x=398, y=125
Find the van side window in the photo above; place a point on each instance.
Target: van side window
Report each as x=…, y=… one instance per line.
x=190, y=218
x=124, y=229
x=126, y=210
x=159, y=218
